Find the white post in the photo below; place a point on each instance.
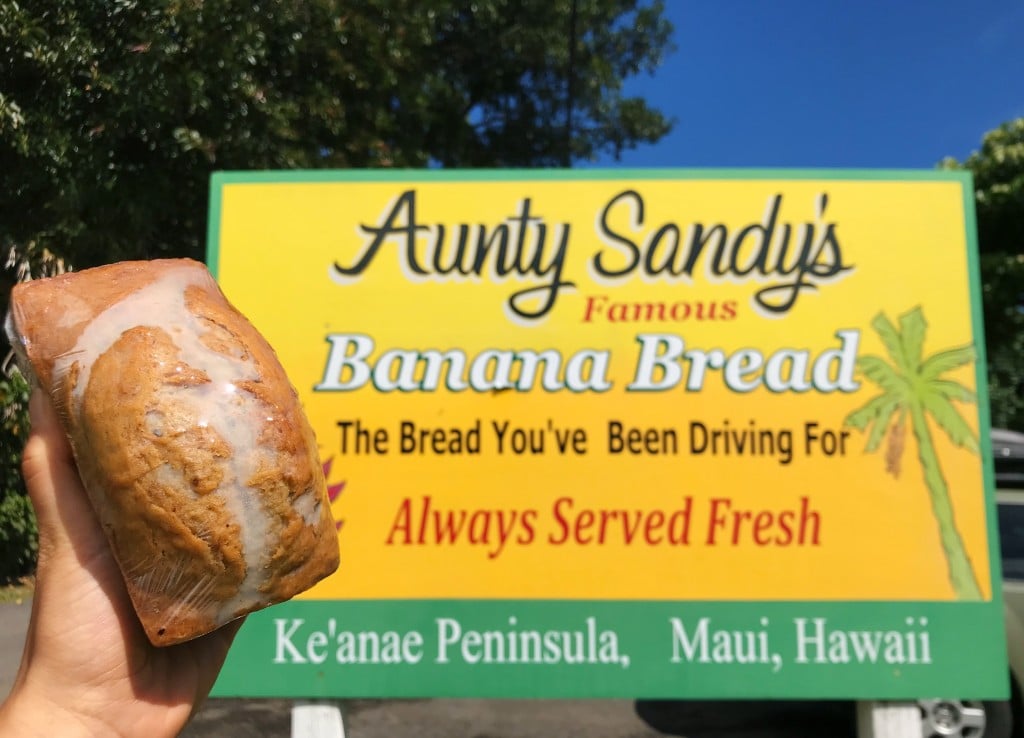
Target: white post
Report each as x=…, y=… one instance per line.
x=888, y=720
x=316, y=720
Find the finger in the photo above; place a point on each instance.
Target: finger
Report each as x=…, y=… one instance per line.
x=53, y=484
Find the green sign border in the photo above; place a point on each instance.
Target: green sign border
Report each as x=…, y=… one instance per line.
x=967, y=644
x=961, y=667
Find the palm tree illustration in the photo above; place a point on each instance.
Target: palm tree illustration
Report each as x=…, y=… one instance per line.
x=915, y=388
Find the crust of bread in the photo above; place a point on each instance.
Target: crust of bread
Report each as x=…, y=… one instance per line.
x=190, y=440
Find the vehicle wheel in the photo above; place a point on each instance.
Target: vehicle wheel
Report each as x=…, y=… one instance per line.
x=965, y=719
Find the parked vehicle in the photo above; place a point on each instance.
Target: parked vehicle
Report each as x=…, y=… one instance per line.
x=997, y=719
x=940, y=718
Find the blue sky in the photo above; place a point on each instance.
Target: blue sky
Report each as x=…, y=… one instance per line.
x=797, y=83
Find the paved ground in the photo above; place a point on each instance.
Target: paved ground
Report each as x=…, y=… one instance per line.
x=13, y=624
x=433, y=719
x=538, y=719
x=236, y=718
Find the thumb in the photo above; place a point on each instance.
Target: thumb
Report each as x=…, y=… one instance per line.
x=65, y=517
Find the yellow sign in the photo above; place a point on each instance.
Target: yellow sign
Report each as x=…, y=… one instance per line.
x=629, y=386
x=629, y=434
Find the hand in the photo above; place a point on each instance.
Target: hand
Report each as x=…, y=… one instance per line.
x=88, y=668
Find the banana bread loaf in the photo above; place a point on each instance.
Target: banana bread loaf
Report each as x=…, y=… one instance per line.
x=190, y=440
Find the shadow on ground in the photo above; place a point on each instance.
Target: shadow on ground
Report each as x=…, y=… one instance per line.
x=243, y=718
x=749, y=719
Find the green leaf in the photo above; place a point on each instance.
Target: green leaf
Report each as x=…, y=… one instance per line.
x=876, y=407
x=947, y=418
x=892, y=341
x=913, y=327
x=952, y=391
x=878, y=431
x=876, y=415
x=946, y=361
x=883, y=374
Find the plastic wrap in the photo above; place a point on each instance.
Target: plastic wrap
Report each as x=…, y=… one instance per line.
x=193, y=448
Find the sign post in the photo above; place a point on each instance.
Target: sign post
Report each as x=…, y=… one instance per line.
x=629, y=433
x=888, y=720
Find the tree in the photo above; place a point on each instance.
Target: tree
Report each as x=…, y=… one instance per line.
x=18, y=532
x=915, y=387
x=113, y=113
x=998, y=170
x=19, y=538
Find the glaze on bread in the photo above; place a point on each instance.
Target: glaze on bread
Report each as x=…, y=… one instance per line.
x=199, y=462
